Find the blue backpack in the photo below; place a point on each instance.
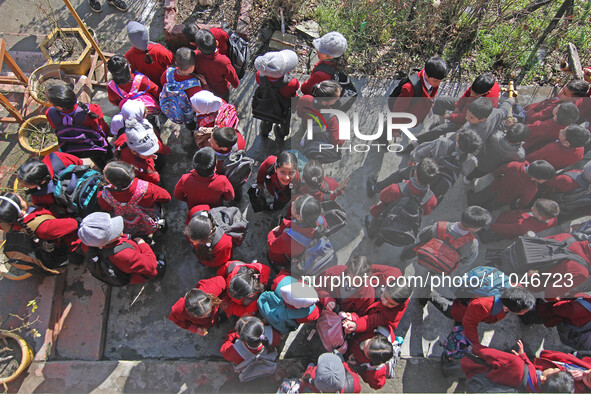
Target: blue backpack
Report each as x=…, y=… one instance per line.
x=319, y=254
x=174, y=102
x=484, y=281
x=77, y=188
x=456, y=344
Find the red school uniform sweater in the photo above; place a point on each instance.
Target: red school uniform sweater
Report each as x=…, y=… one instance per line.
x=179, y=316
x=308, y=105
x=282, y=247
x=154, y=195
x=195, y=189
x=229, y=352
x=477, y=311
x=236, y=306
x=376, y=378
x=308, y=384
x=221, y=251
x=565, y=311
x=378, y=315
x=558, y=155
x=461, y=106
x=541, y=110
x=288, y=91
x=512, y=224
x=99, y=125
x=502, y=368
x=138, y=261
x=180, y=78
x=161, y=59
x=61, y=231
x=420, y=108
x=555, y=359
x=393, y=193
x=317, y=76
x=218, y=72
x=542, y=132
x=152, y=89
x=268, y=177
x=561, y=183
x=513, y=184
x=561, y=283
x=144, y=168
x=40, y=197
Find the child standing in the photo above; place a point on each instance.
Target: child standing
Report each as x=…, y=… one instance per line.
x=250, y=338
x=211, y=112
x=148, y=58
x=203, y=185
x=280, y=176
x=272, y=99
x=211, y=246
x=128, y=85
x=322, y=96
x=564, y=152
x=368, y=354
x=245, y=283
x=331, y=374
x=330, y=48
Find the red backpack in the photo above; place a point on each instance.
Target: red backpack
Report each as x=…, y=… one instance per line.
x=440, y=254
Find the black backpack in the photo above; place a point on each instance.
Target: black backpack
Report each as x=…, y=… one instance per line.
x=267, y=103
x=411, y=77
x=348, y=90
x=334, y=215
x=98, y=264
x=479, y=383
x=315, y=149
x=533, y=253
x=400, y=221
x=238, y=53
x=232, y=222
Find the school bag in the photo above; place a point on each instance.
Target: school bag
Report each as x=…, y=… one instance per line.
x=174, y=102
x=440, y=254
x=349, y=92
x=27, y=252
x=137, y=220
x=479, y=383
x=533, y=253
x=226, y=116
x=456, y=345
x=399, y=224
x=258, y=202
x=98, y=264
x=73, y=135
x=267, y=104
x=76, y=188
x=330, y=330
x=572, y=202
x=152, y=107
x=573, y=336
x=484, y=281
x=318, y=256
x=232, y=222
x=238, y=53
x=237, y=167
x=320, y=147
x=335, y=217
x=416, y=83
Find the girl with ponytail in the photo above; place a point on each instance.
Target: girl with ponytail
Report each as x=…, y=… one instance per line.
x=245, y=284
x=249, y=337
x=211, y=246
x=323, y=188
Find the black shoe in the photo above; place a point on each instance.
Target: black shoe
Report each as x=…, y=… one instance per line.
x=95, y=5
x=266, y=128
x=280, y=132
x=371, y=182
x=119, y=4
x=161, y=265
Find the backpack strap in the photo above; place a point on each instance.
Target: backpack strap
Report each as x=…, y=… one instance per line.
x=325, y=68
x=417, y=85
x=584, y=303
x=170, y=75
x=497, y=306
x=57, y=164
x=108, y=197
x=454, y=243
x=108, y=252
x=232, y=266
x=577, y=177
x=134, y=92
x=298, y=237
x=572, y=255
x=38, y=221
x=141, y=188
x=243, y=351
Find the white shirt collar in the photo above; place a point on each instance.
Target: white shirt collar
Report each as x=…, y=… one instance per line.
x=427, y=84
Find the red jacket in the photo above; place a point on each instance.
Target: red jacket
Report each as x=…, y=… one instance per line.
x=329, y=184
x=420, y=108
x=275, y=188
x=459, y=114
x=288, y=91
x=229, y=351
x=541, y=110
x=316, y=77
x=139, y=261
x=179, y=316
x=310, y=373
x=393, y=193
x=229, y=270
x=154, y=195
x=560, y=183
x=512, y=224
x=195, y=190
x=222, y=251
x=512, y=184
x=503, y=368
x=145, y=168
x=180, y=78
x=564, y=311
x=61, y=231
x=222, y=38
x=37, y=196
x=99, y=125
x=308, y=105
x=218, y=72
x=376, y=378
x=554, y=359
x=282, y=247
x=562, y=283
x=378, y=315
x=478, y=310
x=558, y=155
x=161, y=59
x=542, y=132
x=153, y=89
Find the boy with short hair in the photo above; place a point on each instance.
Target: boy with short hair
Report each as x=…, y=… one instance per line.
x=545, y=131
x=569, y=149
x=512, y=224
x=543, y=110
x=221, y=36
x=216, y=68
x=202, y=185
x=516, y=184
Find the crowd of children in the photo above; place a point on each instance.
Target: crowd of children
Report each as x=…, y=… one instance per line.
x=108, y=216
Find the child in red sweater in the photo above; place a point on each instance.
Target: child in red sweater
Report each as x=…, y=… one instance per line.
x=331, y=374
x=330, y=48
x=512, y=224
x=542, y=132
x=368, y=353
x=127, y=85
x=200, y=308
x=564, y=152
x=203, y=185
x=543, y=110
x=148, y=58
x=211, y=246
x=211, y=112
x=250, y=338
x=323, y=96
x=245, y=283
x=138, y=201
x=216, y=68
x=280, y=176
x=272, y=69
x=220, y=35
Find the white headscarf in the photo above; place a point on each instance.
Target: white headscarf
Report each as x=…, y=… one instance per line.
x=205, y=102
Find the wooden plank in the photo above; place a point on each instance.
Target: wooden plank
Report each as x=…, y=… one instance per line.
x=10, y=80
x=574, y=61
x=11, y=109
x=2, y=52
x=16, y=69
